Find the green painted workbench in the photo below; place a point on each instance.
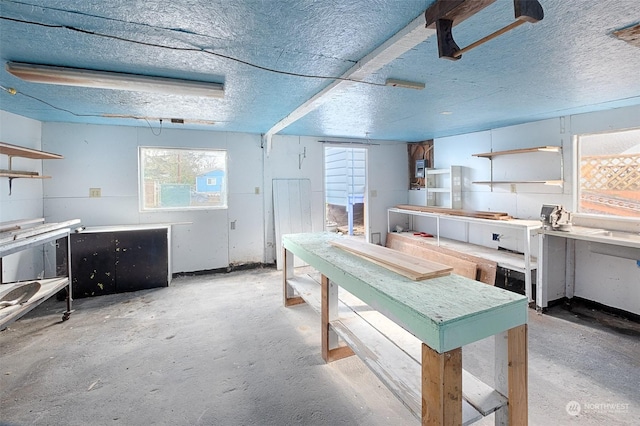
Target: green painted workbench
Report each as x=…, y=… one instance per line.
x=444, y=313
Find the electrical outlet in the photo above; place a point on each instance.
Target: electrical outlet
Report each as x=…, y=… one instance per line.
x=495, y=237
x=257, y=190
x=95, y=192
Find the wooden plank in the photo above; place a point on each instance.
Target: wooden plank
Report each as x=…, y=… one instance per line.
x=19, y=174
x=20, y=151
x=26, y=174
x=456, y=212
x=37, y=230
x=14, y=225
x=519, y=151
x=460, y=266
x=414, y=266
x=486, y=269
x=441, y=387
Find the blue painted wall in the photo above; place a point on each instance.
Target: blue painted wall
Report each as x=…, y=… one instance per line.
x=217, y=177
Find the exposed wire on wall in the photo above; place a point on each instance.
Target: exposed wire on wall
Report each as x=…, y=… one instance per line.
x=13, y=91
x=192, y=49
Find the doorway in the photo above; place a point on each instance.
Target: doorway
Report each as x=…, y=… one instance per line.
x=345, y=178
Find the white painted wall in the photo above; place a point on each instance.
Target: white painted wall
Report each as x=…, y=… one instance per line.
x=387, y=174
x=386, y=180
x=611, y=281
x=25, y=201
x=605, y=279
x=106, y=157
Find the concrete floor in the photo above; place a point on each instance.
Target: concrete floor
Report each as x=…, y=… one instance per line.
x=221, y=350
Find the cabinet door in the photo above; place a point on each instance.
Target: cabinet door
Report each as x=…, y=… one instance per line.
x=142, y=259
x=93, y=259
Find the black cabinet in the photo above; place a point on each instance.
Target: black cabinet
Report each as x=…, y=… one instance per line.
x=115, y=260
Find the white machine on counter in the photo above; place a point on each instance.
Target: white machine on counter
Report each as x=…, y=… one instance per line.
x=555, y=218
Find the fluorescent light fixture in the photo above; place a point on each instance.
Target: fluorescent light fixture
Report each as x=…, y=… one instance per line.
x=406, y=84
x=112, y=80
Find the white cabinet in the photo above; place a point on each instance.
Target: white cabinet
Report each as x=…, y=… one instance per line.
x=443, y=188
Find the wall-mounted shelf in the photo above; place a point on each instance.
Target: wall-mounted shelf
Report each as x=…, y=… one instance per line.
x=543, y=182
x=538, y=149
x=520, y=151
x=19, y=151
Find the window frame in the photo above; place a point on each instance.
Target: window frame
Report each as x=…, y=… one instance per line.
x=576, y=195
x=141, y=191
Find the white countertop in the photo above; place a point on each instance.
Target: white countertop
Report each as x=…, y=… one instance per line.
x=618, y=238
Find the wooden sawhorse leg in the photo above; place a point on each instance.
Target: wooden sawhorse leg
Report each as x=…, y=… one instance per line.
x=441, y=387
x=287, y=273
x=329, y=312
x=511, y=376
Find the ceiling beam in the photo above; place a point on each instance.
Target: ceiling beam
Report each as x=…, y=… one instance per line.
x=401, y=42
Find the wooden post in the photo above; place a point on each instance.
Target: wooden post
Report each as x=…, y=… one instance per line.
x=518, y=377
x=287, y=273
x=441, y=387
x=329, y=312
x=511, y=378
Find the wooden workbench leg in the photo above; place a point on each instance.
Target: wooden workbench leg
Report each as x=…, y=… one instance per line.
x=287, y=273
x=511, y=377
x=329, y=312
x=441, y=387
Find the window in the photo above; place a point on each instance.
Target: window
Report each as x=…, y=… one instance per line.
x=609, y=173
x=180, y=179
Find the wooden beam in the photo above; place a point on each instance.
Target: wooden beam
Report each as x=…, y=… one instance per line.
x=329, y=312
x=287, y=273
x=518, y=377
x=441, y=387
x=399, y=44
x=453, y=10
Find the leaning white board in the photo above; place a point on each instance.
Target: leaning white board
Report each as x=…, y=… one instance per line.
x=291, y=211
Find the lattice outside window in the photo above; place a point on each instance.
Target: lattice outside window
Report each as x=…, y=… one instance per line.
x=609, y=173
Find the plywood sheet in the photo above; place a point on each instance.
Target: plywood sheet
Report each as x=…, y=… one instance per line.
x=485, y=269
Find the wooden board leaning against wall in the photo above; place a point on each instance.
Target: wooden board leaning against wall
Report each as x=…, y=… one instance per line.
x=469, y=266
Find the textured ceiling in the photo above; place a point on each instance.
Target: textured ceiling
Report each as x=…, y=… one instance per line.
x=567, y=63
